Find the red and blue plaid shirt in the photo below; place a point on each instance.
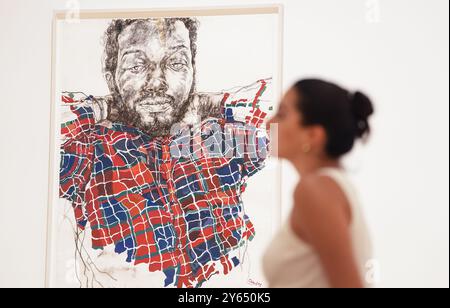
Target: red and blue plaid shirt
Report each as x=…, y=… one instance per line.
x=182, y=215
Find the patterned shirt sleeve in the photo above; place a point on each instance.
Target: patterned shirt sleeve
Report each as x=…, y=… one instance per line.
x=247, y=108
x=248, y=105
x=77, y=123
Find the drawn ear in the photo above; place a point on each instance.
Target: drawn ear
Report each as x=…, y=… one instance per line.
x=110, y=81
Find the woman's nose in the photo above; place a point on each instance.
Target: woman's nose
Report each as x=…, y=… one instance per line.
x=270, y=122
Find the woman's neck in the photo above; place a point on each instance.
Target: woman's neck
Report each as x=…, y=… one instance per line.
x=310, y=164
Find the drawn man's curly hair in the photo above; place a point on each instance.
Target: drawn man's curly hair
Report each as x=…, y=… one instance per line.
x=118, y=25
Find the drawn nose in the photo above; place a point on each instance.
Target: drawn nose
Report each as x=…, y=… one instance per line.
x=156, y=81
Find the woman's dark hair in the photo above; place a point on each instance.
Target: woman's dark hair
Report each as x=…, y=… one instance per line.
x=344, y=115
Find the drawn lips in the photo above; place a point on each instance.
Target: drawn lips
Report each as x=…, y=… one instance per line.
x=155, y=101
x=155, y=104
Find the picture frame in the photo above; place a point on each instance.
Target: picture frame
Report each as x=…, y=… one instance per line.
x=55, y=134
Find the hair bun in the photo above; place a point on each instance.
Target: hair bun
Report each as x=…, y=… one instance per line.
x=362, y=109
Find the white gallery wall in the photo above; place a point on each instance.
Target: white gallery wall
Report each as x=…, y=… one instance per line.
x=395, y=50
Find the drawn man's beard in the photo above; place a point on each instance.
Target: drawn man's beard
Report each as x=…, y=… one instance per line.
x=153, y=113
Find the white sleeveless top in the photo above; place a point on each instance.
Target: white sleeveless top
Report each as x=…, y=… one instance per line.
x=289, y=262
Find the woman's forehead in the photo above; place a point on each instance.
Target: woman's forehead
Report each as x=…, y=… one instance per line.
x=289, y=98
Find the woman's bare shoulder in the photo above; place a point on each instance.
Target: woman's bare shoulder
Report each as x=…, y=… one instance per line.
x=319, y=196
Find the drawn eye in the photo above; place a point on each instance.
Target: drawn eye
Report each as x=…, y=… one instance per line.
x=177, y=66
x=136, y=69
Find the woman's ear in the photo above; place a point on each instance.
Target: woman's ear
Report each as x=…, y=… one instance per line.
x=317, y=136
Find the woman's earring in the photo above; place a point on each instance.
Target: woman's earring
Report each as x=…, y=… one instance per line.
x=306, y=148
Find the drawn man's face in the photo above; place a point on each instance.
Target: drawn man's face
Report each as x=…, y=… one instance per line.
x=154, y=74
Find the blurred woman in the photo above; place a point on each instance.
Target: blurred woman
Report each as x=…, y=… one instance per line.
x=325, y=242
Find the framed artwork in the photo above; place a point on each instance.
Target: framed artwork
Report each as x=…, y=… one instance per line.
x=161, y=172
